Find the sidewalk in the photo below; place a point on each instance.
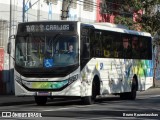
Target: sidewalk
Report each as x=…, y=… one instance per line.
x=150, y=91
x=8, y=100
x=157, y=83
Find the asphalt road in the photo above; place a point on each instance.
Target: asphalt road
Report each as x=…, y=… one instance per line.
x=146, y=106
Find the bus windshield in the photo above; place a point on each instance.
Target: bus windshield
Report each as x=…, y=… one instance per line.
x=46, y=51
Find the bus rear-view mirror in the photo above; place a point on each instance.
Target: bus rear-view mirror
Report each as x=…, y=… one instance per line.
x=9, y=48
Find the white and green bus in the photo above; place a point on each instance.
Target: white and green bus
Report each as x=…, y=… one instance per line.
x=106, y=60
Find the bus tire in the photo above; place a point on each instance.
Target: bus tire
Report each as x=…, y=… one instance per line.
x=131, y=95
x=128, y=95
x=40, y=100
x=134, y=89
x=88, y=100
x=123, y=96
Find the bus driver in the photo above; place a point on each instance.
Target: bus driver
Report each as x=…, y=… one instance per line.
x=70, y=50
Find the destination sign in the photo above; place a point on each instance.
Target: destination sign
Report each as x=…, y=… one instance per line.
x=48, y=28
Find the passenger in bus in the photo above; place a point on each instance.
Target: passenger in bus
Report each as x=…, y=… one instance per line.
x=135, y=47
x=126, y=48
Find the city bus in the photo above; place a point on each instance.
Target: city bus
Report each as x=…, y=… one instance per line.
x=105, y=61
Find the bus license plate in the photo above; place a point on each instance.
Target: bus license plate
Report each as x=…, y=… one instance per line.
x=43, y=93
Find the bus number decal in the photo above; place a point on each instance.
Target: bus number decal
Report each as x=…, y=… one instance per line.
x=101, y=66
x=30, y=63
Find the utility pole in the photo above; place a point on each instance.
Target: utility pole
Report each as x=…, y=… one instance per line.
x=9, y=41
x=38, y=10
x=23, y=10
x=65, y=9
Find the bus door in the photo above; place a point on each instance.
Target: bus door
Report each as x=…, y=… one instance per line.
x=116, y=76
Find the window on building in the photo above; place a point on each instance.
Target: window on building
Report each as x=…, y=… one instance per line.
x=88, y=5
x=74, y=4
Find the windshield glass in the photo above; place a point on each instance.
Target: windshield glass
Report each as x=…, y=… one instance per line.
x=46, y=51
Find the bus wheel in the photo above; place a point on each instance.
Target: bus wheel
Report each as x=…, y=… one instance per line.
x=133, y=92
x=130, y=95
x=123, y=96
x=88, y=100
x=40, y=100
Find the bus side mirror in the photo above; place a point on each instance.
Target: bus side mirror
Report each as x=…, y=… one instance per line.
x=9, y=48
x=9, y=44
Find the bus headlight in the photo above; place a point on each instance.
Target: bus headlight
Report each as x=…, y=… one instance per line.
x=18, y=79
x=72, y=79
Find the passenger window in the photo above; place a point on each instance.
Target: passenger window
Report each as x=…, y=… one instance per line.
x=135, y=47
x=127, y=50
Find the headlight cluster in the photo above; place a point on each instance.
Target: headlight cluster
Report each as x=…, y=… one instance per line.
x=54, y=84
x=72, y=79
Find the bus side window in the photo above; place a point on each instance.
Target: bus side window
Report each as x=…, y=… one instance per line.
x=143, y=50
x=119, y=50
x=116, y=43
x=95, y=44
x=135, y=47
x=106, y=45
x=106, y=53
x=127, y=52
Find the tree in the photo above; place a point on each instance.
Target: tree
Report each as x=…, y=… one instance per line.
x=148, y=20
x=126, y=12
x=151, y=17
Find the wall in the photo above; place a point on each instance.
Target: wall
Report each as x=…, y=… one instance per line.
x=103, y=17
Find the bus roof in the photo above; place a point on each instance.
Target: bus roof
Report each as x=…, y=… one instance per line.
x=116, y=28
x=103, y=26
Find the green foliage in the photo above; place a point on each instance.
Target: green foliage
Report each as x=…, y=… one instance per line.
x=127, y=21
x=126, y=13
x=150, y=19
x=136, y=5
